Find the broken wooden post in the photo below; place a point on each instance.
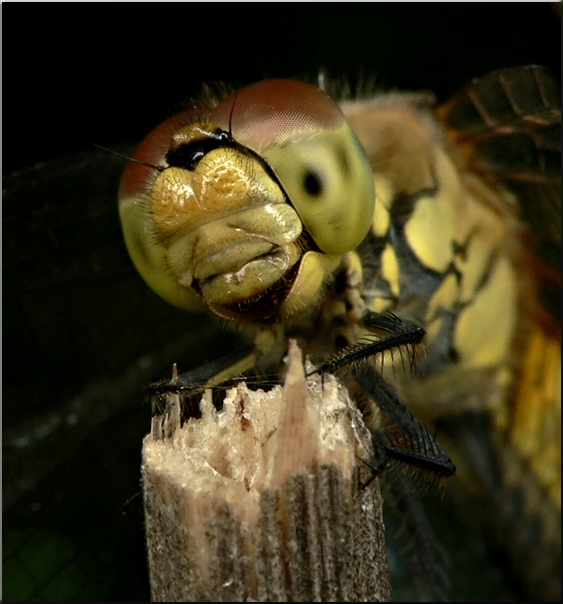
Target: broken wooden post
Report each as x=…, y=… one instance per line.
x=263, y=500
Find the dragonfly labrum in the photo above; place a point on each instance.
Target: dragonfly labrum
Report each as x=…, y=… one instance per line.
x=364, y=227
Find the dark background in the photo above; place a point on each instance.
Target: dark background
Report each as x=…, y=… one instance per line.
x=108, y=74
x=76, y=318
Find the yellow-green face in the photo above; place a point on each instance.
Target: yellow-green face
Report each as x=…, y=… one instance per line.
x=248, y=209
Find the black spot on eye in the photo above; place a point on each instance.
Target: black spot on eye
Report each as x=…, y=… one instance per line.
x=312, y=183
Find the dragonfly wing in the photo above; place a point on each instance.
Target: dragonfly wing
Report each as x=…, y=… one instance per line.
x=508, y=124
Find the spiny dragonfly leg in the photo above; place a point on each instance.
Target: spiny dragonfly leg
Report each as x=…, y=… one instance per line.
x=404, y=438
x=403, y=333
x=218, y=371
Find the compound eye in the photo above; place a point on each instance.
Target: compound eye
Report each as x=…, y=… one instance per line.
x=302, y=134
x=138, y=178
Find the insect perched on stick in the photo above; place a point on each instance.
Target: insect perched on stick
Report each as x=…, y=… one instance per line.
x=370, y=227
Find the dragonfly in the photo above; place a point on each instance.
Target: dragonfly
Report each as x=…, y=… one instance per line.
x=266, y=207
x=370, y=261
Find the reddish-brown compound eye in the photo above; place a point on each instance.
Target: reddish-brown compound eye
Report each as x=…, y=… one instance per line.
x=276, y=112
x=138, y=178
x=302, y=134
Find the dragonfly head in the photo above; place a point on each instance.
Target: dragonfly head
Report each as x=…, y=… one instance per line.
x=251, y=204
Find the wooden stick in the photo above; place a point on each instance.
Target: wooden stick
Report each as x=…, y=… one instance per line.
x=263, y=500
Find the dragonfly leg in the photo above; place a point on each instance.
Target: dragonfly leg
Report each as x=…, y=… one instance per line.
x=402, y=333
x=192, y=383
x=402, y=436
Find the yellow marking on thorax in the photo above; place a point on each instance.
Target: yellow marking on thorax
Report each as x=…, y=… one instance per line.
x=390, y=268
x=433, y=225
x=380, y=305
x=485, y=328
x=383, y=196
